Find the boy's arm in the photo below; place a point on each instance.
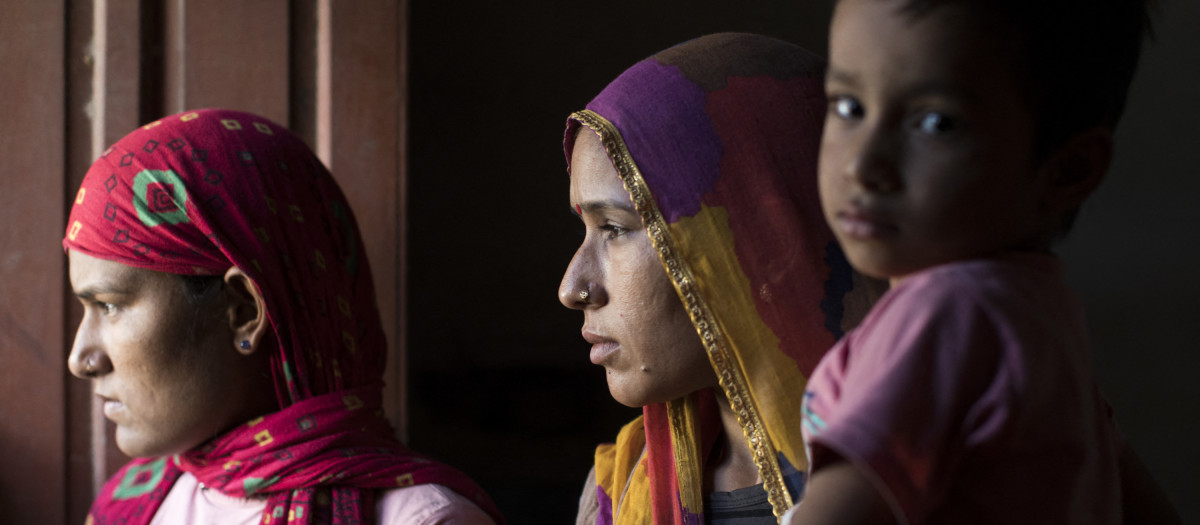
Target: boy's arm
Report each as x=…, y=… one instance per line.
x=1142, y=499
x=840, y=494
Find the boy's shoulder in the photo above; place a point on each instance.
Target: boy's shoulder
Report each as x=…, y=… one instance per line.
x=998, y=273
x=980, y=307
x=996, y=287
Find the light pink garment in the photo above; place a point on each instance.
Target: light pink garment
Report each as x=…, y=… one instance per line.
x=967, y=395
x=188, y=504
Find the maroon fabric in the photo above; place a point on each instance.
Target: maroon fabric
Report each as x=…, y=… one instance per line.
x=199, y=192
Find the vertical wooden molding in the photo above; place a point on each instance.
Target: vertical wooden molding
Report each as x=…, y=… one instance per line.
x=324, y=103
x=100, y=61
x=117, y=98
x=174, y=46
x=80, y=64
x=34, y=458
x=150, y=51
x=397, y=371
x=231, y=54
x=358, y=138
x=117, y=79
x=302, y=71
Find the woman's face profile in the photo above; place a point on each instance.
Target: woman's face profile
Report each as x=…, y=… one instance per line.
x=633, y=317
x=167, y=371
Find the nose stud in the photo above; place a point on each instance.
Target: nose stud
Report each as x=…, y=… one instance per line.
x=89, y=366
x=583, y=295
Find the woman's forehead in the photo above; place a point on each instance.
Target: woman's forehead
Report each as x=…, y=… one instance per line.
x=91, y=275
x=591, y=168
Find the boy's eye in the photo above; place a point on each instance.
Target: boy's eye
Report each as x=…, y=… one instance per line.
x=846, y=107
x=934, y=123
x=106, y=308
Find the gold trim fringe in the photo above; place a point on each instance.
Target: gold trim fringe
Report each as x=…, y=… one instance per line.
x=730, y=376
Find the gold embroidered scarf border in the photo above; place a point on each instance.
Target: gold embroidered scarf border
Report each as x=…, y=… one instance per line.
x=731, y=377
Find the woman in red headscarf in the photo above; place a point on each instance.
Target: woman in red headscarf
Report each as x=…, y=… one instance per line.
x=230, y=329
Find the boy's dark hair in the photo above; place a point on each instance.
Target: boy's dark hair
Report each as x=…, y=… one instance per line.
x=1079, y=57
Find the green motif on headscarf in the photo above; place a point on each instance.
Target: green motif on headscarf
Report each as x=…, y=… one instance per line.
x=254, y=485
x=167, y=201
x=151, y=475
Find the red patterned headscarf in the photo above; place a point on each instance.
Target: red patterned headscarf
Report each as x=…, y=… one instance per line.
x=200, y=192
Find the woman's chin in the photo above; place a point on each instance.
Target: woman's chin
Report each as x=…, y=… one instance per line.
x=630, y=404
x=136, y=445
x=635, y=396
x=623, y=394
x=637, y=388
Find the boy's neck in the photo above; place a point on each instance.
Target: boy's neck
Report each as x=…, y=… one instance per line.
x=1041, y=250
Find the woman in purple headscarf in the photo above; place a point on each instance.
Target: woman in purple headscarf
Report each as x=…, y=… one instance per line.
x=709, y=281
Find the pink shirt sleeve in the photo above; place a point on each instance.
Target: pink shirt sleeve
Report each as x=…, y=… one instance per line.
x=967, y=396
x=906, y=394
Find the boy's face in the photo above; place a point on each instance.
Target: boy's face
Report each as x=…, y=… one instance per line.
x=927, y=155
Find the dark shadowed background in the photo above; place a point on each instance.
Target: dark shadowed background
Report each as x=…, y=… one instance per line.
x=443, y=121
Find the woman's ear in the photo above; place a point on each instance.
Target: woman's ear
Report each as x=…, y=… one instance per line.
x=247, y=311
x=1077, y=169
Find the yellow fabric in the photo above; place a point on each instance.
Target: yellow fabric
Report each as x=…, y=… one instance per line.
x=620, y=471
x=775, y=383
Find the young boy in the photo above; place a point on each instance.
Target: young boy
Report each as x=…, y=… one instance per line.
x=962, y=136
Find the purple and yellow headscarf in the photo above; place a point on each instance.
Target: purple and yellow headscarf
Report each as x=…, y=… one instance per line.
x=716, y=140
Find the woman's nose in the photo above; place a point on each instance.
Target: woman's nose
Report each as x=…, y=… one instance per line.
x=580, y=288
x=88, y=359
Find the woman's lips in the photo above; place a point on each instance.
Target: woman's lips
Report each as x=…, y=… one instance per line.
x=601, y=351
x=111, y=406
x=602, y=347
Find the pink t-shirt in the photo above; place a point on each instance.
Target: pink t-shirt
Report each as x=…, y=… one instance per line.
x=189, y=504
x=967, y=396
